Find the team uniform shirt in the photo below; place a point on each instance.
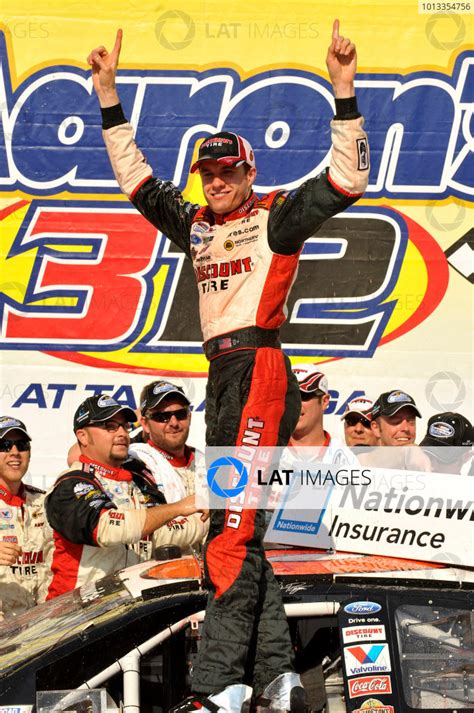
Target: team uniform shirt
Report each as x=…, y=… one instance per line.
x=175, y=477
x=23, y=522
x=165, y=467
x=98, y=513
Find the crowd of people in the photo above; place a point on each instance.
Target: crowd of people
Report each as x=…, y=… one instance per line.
x=114, y=504
x=118, y=500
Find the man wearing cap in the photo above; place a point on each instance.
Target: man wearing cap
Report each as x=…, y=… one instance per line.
x=357, y=420
x=245, y=252
x=103, y=513
x=24, y=532
x=314, y=392
x=448, y=442
x=165, y=419
x=394, y=416
x=310, y=441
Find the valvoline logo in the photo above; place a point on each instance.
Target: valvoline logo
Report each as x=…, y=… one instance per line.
x=362, y=608
x=367, y=658
x=366, y=654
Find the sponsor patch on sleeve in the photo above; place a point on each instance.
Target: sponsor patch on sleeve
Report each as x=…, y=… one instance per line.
x=362, y=155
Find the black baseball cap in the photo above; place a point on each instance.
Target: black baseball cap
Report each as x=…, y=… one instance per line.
x=225, y=147
x=448, y=429
x=100, y=408
x=154, y=393
x=390, y=402
x=8, y=423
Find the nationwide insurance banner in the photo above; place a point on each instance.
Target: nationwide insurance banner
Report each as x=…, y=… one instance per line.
x=94, y=299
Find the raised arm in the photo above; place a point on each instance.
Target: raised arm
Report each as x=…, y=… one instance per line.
x=300, y=213
x=341, y=61
x=159, y=201
x=104, y=70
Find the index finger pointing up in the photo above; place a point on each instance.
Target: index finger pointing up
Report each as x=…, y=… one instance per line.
x=118, y=43
x=335, y=30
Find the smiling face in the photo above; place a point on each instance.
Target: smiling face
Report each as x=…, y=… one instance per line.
x=171, y=434
x=358, y=431
x=396, y=430
x=14, y=462
x=225, y=187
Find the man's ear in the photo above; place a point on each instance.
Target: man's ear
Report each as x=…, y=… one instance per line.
x=82, y=437
x=326, y=400
x=375, y=428
x=143, y=423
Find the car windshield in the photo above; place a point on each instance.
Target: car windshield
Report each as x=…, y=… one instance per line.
x=44, y=627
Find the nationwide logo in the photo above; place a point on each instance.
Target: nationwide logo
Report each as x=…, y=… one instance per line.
x=369, y=684
x=363, y=633
x=373, y=705
x=367, y=658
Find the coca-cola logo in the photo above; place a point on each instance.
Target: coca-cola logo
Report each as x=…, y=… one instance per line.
x=369, y=684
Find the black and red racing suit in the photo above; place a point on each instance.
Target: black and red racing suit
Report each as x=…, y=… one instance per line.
x=245, y=263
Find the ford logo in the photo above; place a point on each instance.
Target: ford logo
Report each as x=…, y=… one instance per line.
x=362, y=608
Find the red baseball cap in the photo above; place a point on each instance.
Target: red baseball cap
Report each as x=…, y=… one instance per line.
x=225, y=147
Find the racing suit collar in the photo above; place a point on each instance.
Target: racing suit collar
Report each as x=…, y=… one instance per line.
x=10, y=499
x=175, y=461
x=93, y=467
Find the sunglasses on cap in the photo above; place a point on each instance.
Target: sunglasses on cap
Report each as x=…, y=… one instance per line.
x=353, y=420
x=165, y=416
x=22, y=445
